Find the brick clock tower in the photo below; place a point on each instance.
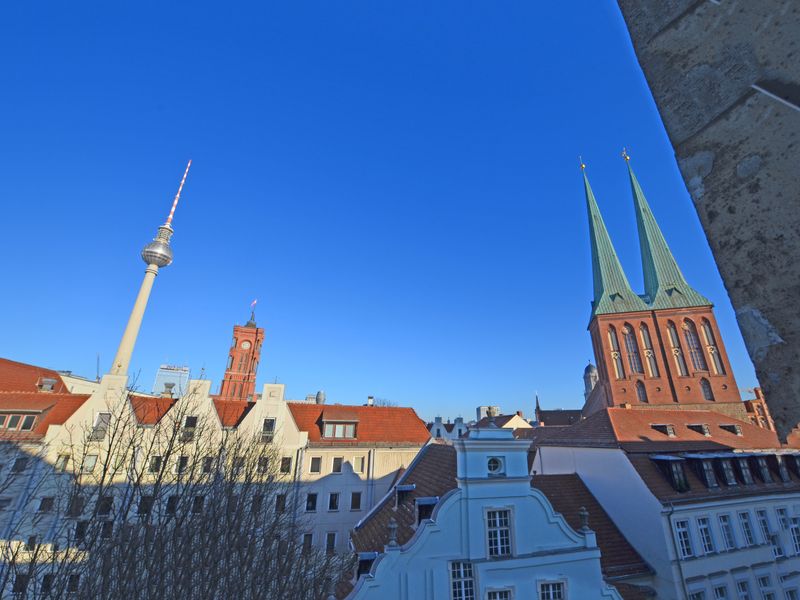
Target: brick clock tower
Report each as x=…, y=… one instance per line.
x=659, y=348
x=239, y=381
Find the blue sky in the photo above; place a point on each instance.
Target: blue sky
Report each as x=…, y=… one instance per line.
x=396, y=182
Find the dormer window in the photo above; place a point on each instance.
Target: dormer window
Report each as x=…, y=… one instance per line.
x=672, y=467
x=402, y=492
x=744, y=470
x=47, y=384
x=708, y=473
x=763, y=469
x=668, y=430
x=27, y=423
x=727, y=471
x=783, y=470
x=700, y=428
x=496, y=466
x=339, y=430
x=732, y=428
x=425, y=507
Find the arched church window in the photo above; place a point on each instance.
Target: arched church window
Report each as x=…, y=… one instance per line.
x=632, y=348
x=649, y=354
x=695, y=349
x=677, y=351
x=708, y=393
x=615, y=353
x=641, y=392
x=716, y=359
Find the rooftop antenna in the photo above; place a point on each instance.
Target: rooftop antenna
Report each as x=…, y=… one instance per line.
x=97, y=372
x=178, y=195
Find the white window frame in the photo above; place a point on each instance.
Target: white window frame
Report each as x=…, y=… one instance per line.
x=748, y=534
x=685, y=545
x=706, y=535
x=715, y=587
x=511, y=521
x=544, y=582
x=463, y=592
x=359, y=464
x=494, y=594
x=311, y=465
x=725, y=530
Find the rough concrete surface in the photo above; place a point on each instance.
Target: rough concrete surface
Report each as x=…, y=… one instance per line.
x=725, y=75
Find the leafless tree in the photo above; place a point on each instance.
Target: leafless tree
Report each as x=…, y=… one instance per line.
x=180, y=509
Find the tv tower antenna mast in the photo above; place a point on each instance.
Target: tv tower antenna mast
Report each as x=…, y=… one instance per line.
x=157, y=254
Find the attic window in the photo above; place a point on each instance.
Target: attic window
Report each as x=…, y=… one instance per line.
x=672, y=467
x=27, y=423
x=701, y=428
x=668, y=430
x=339, y=430
x=735, y=429
x=402, y=492
x=47, y=384
x=365, y=560
x=425, y=507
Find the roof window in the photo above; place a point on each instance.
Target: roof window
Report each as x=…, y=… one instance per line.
x=701, y=428
x=47, y=384
x=668, y=430
x=402, y=492
x=732, y=428
x=672, y=467
x=425, y=506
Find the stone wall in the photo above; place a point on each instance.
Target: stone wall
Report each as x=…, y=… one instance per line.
x=725, y=75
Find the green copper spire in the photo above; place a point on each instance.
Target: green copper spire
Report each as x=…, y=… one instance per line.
x=664, y=284
x=612, y=292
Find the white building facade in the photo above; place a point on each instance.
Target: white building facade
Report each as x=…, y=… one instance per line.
x=492, y=537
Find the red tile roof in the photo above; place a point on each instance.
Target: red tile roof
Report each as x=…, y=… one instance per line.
x=632, y=430
x=385, y=425
x=19, y=391
x=433, y=474
x=150, y=410
x=21, y=377
x=231, y=412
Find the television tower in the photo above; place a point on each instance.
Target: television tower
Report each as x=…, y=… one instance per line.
x=156, y=254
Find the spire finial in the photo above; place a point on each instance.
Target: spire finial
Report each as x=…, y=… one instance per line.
x=581, y=163
x=178, y=195
x=625, y=154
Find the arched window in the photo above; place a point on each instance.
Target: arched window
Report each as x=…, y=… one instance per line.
x=230, y=361
x=632, y=348
x=615, y=354
x=652, y=365
x=641, y=392
x=716, y=359
x=677, y=352
x=708, y=393
x=233, y=343
x=695, y=349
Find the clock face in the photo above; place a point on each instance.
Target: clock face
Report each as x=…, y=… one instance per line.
x=246, y=345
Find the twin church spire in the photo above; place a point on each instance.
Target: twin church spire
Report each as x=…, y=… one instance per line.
x=665, y=286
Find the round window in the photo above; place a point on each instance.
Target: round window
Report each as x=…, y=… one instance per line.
x=246, y=345
x=495, y=465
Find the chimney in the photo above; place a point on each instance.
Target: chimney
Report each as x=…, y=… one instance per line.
x=519, y=414
x=370, y=400
x=167, y=393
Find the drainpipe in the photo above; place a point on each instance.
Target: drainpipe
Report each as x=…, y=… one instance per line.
x=370, y=477
x=298, y=461
x=676, y=549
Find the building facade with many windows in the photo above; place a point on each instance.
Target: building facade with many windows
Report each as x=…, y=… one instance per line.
x=466, y=523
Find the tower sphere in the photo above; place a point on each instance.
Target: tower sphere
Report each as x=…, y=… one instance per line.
x=158, y=251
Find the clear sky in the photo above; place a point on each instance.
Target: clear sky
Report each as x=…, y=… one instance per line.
x=396, y=182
